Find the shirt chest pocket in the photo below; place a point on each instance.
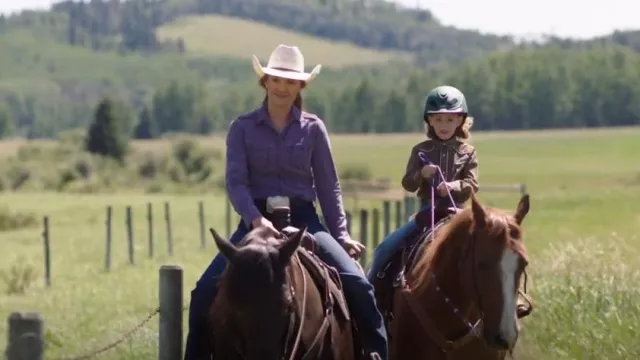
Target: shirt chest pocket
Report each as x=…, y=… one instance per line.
x=460, y=161
x=261, y=157
x=299, y=156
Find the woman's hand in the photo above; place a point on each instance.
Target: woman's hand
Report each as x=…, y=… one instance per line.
x=353, y=248
x=261, y=221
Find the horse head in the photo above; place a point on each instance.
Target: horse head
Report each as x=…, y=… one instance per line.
x=496, y=262
x=475, y=262
x=255, y=297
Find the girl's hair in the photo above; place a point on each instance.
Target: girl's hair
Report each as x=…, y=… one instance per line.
x=297, y=102
x=463, y=132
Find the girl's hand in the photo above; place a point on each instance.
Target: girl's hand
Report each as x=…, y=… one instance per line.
x=428, y=171
x=442, y=188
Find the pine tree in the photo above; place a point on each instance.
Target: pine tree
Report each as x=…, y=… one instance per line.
x=147, y=128
x=105, y=135
x=7, y=126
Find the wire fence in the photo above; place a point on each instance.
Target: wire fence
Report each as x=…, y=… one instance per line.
x=26, y=340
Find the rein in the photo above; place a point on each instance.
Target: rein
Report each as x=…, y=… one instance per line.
x=328, y=304
x=428, y=325
x=292, y=319
x=296, y=344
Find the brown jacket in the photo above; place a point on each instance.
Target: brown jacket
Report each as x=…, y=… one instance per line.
x=458, y=162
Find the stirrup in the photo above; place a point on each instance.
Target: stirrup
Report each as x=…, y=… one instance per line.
x=524, y=309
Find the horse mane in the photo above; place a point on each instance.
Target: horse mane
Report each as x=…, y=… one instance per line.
x=453, y=238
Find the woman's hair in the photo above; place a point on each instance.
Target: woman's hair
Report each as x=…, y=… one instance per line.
x=297, y=102
x=463, y=132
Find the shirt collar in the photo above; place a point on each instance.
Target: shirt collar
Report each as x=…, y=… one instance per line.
x=452, y=142
x=263, y=114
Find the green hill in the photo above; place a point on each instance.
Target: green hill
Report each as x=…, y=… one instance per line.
x=174, y=57
x=209, y=35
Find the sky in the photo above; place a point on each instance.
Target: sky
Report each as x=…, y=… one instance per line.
x=521, y=18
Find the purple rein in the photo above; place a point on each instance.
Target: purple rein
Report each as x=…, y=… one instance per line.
x=441, y=180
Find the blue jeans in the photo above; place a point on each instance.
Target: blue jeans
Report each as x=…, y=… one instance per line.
x=357, y=289
x=388, y=247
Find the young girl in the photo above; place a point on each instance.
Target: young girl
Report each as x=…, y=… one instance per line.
x=447, y=126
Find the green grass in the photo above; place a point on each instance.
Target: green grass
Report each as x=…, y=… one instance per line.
x=220, y=35
x=27, y=57
x=581, y=233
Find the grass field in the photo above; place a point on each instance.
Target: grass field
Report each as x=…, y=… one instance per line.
x=581, y=233
x=206, y=35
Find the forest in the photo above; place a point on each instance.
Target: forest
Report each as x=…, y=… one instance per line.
x=57, y=65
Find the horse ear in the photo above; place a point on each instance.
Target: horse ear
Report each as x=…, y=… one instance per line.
x=226, y=248
x=523, y=209
x=478, y=211
x=290, y=245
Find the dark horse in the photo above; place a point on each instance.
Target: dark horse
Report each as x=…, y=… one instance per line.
x=459, y=299
x=277, y=301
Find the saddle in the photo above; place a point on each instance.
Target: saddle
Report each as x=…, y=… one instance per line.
x=403, y=260
x=325, y=277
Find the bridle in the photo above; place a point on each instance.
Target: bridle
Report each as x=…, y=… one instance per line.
x=328, y=311
x=474, y=330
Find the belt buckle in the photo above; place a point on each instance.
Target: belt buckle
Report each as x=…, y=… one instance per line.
x=277, y=202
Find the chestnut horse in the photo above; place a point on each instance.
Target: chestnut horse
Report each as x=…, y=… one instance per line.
x=270, y=305
x=459, y=300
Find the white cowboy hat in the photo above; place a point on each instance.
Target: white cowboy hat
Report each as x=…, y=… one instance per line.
x=286, y=62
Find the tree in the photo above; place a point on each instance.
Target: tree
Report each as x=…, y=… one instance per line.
x=7, y=127
x=147, y=128
x=105, y=135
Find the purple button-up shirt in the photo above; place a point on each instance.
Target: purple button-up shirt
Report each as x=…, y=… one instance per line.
x=296, y=163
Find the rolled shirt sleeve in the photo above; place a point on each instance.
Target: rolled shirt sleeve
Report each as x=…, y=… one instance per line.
x=327, y=184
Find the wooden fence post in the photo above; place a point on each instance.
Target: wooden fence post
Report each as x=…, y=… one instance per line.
x=170, y=317
x=47, y=252
x=201, y=217
x=386, y=214
x=107, y=251
x=364, y=234
x=26, y=333
x=398, y=213
x=167, y=219
x=129, y=223
x=349, y=219
x=375, y=228
x=227, y=216
x=150, y=228
x=407, y=208
x=523, y=189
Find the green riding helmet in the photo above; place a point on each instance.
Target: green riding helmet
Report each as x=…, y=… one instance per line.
x=445, y=99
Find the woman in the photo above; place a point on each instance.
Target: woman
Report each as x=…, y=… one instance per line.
x=281, y=150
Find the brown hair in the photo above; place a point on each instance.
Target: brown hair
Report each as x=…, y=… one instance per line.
x=297, y=102
x=463, y=132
